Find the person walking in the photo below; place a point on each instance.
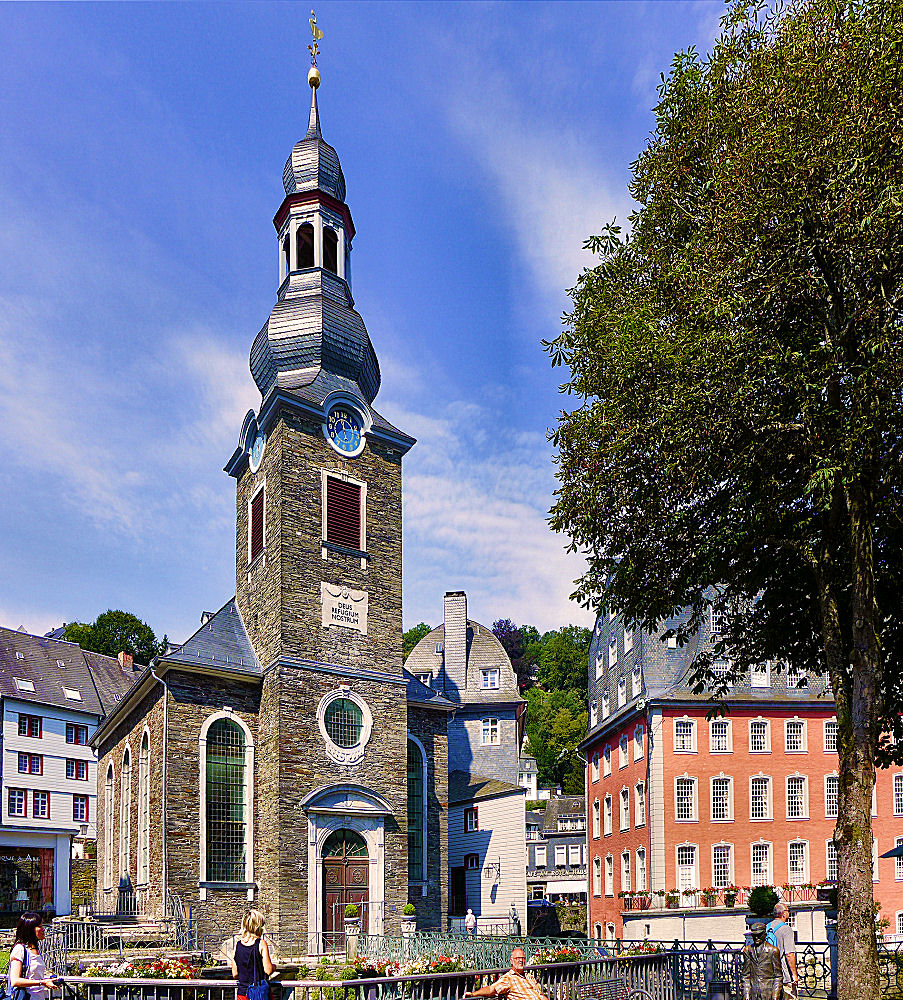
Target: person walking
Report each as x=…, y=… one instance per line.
x=26, y=966
x=470, y=924
x=780, y=934
x=516, y=984
x=251, y=962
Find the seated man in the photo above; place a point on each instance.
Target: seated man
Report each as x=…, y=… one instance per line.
x=515, y=983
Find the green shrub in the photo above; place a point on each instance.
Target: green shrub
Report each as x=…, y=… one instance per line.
x=409, y=910
x=762, y=901
x=351, y=910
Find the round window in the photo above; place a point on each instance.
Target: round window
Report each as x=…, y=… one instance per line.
x=344, y=723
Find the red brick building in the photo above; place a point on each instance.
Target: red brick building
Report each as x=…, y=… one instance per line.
x=682, y=809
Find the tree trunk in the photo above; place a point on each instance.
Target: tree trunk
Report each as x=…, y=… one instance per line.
x=858, y=739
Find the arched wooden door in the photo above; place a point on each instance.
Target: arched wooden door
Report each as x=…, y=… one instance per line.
x=346, y=879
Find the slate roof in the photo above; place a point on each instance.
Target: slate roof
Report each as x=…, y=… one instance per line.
x=560, y=807
x=466, y=787
x=417, y=691
x=483, y=650
x=313, y=164
x=52, y=664
x=221, y=642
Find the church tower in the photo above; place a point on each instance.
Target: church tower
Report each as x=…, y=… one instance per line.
x=318, y=580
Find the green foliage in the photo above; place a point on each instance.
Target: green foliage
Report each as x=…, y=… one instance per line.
x=409, y=910
x=563, y=659
x=556, y=723
x=571, y=917
x=762, y=901
x=516, y=641
x=114, y=632
x=351, y=911
x=410, y=638
x=735, y=362
x=536, y=805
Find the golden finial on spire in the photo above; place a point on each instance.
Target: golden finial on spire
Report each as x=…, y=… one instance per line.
x=313, y=75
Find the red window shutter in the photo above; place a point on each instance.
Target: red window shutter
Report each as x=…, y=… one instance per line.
x=256, y=525
x=343, y=513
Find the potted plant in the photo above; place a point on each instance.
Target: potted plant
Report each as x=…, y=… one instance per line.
x=408, y=920
x=672, y=899
x=730, y=895
x=709, y=897
x=352, y=931
x=761, y=904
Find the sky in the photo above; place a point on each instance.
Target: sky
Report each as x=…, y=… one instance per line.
x=141, y=155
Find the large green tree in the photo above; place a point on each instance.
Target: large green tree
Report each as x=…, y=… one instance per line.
x=410, y=638
x=737, y=433
x=115, y=632
x=563, y=656
x=556, y=723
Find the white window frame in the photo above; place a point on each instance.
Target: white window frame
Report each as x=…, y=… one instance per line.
x=768, y=878
x=249, y=797
x=625, y=871
x=641, y=868
x=628, y=640
x=539, y=855
x=694, y=801
x=729, y=743
x=767, y=723
x=606, y=761
x=694, y=877
x=805, y=803
x=561, y=855
x=593, y=714
x=898, y=787
x=804, y=877
x=623, y=751
x=607, y=819
x=827, y=723
x=692, y=723
x=488, y=675
x=143, y=872
x=125, y=815
x=622, y=691
x=600, y=665
x=875, y=874
x=638, y=743
x=606, y=705
x=836, y=777
x=609, y=875
x=324, y=475
x=730, y=863
x=624, y=807
x=489, y=726
x=756, y=672
x=262, y=488
x=831, y=849
x=594, y=764
x=612, y=650
x=597, y=876
x=639, y=804
x=769, y=799
x=729, y=818
x=898, y=862
x=636, y=682
x=597, y=819
x=108, y=813
x=796, y=720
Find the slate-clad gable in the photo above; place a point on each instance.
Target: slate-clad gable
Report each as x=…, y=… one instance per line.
x=221, y=642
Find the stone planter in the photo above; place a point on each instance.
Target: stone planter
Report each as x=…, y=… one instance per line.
x=408, y=926
x=730, y=900
x=352, y=936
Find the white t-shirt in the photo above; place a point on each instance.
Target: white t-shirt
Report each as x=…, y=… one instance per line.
x=32, y=968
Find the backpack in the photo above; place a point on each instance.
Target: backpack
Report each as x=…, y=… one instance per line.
x=17, y=992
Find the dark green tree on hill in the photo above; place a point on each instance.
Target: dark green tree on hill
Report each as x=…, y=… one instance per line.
x=410, y=638
x=736, y=363
x=115, y=632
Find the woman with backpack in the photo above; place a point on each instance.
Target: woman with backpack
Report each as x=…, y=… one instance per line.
x=251, y=962
x=27, y=978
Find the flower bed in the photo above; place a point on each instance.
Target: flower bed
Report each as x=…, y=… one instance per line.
x=158, y=968
x=550, y=956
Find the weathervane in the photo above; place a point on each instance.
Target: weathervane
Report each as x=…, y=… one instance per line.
x=313, y=75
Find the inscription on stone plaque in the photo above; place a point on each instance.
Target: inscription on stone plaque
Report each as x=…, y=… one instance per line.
x=343, y=607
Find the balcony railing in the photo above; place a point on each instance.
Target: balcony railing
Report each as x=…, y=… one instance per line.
x=696, y=899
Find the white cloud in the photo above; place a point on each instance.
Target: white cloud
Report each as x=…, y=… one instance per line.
x=554, y=188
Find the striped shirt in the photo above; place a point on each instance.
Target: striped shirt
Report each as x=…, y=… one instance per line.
x=520, y=987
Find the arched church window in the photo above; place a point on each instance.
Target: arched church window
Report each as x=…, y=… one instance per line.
x=226, y=787
x=108, y=830
x=416, y=812
x=344, y=722
x=305, y=248
x=125, y=815
x=331, y=250
x=144, y=811
x=345, y=844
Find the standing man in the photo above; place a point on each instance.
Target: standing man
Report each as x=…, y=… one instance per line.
x=470, y=924
x=515, y=984
x=780, y=934
x=760, y=972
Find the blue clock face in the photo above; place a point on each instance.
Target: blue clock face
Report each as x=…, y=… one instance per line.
x=344, y=429
x=257, y=451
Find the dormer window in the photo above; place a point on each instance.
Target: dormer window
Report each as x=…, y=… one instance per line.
x=305, y=245
x=490, y=678
x=331, y=250
x=424, y=679
x=23, y=684
x=72, y=694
